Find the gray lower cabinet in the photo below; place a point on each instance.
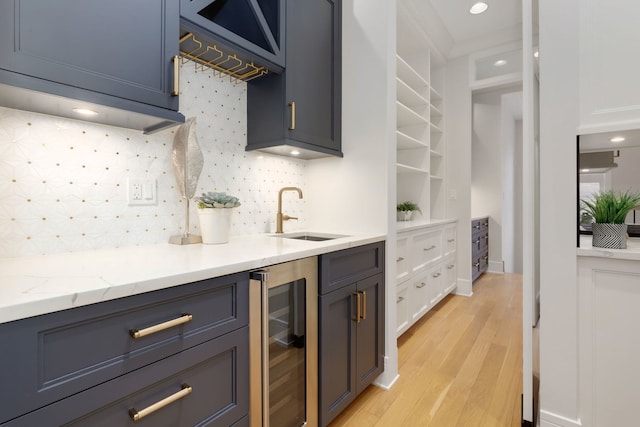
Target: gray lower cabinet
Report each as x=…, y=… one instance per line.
x=117, y=54
x=351, y=326
x=85, y=366
x=301, y=107
x=479, y=247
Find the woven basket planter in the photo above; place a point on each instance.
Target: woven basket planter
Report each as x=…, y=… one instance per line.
x=611, y=236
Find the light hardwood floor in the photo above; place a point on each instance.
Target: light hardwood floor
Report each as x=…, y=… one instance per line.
x=460, y=365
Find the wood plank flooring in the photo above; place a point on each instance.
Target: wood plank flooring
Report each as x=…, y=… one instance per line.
x=460, y=365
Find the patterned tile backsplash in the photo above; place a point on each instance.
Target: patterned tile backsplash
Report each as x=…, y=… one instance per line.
x=63, y=183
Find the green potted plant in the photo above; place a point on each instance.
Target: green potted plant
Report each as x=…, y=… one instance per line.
x=406, y=209
x=214, y=213
x=609, y=210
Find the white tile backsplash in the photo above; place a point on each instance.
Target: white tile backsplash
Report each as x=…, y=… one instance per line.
x=63, y=182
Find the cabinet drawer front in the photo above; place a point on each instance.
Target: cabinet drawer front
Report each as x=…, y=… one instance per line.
x=427, y=248
x=63, y=353
x=403, y=264
x=420, y=297
x=402, y=308
x=449, y=239
x=341, y=268
x=450, y=275
x=436, y=285
x=216, y=371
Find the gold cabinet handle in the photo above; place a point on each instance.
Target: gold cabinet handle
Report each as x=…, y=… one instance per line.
x=138, y=415
x=477, y=264
x=399, y=300
x=451, y=240
x=450, y=266
x=435, y=275
x=400, y=259
x=292, y=104
x=135, y=333
x=357, y=295
x=176, y=76
x=430, y=248
x=364, y=305
x=421, y=285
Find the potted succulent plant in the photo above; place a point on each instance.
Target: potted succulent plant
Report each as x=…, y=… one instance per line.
x=609, y=210
x=406, y=209
x=214, y=213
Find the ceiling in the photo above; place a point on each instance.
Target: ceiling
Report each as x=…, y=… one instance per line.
x=501, y=23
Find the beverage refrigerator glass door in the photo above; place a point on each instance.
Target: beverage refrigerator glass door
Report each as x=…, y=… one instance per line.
x=284, y=344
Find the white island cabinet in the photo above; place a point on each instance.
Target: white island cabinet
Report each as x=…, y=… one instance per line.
x=608, y=308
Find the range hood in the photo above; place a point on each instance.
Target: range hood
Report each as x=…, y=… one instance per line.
x=241, y=38
x=598, y=161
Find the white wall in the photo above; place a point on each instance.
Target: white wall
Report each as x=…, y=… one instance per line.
x=63, y=182
x=559, y=73
x=458, y=157
x=496, y=178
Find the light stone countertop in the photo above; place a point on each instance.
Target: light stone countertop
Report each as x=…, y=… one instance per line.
x=417, y=224
x=632, y=252
x=35, y=285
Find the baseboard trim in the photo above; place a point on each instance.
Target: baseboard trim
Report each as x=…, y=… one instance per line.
x=496, y=267
x=464, y=288
x=549, y=419
x=388, y=377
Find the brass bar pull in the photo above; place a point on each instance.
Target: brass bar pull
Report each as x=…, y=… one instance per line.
x=135, y=333
x=430, y=248
x=138, y=415
x=292, y=104
x=399, y=300
x=400, y=259
x=435, y=275
x=421, y=285
x=364, y=305
x=176, y=76
x=357, y=295
x=450, y=266
x=451, y=240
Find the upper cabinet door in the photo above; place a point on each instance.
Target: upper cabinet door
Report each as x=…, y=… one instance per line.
x=301, y=107
x=252, y=29
x=120, y=48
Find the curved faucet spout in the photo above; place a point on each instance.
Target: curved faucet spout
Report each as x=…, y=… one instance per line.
x=279, y=217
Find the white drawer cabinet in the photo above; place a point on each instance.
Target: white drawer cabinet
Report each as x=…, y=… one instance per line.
x=426, y=270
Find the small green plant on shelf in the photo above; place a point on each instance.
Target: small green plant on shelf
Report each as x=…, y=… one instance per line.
x=211, y=200
x=611, y=207
x=406, y=209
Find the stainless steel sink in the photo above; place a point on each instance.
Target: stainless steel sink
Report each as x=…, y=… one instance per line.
x=310, y=236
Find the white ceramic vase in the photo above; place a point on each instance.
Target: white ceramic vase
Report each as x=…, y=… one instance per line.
x=215, y=224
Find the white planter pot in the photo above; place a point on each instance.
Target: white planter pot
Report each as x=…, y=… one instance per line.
x=404, y=215
x=612, y=236
x=215, y=224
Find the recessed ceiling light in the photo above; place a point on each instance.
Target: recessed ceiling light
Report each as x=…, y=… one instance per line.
x=617, y=139
x=478, y=8
x=499, y=63
x=295, y=153
x=85, y=112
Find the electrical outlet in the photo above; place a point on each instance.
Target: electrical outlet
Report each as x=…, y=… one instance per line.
x=141, y=192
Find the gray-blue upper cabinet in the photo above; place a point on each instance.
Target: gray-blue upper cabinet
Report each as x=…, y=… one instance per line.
x=251, y=29
x=117, y=57
x=301, y=107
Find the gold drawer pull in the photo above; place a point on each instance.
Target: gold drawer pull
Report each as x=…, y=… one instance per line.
x=400, y=259
x=477, y=264
x=450, y=266
x=451, y=240
x=435, y=275
x=176, y=76
x=430, y=248
x=421, y=285
x=399, y=300
x=292, y=104
x=138, y=415
x=135, y=333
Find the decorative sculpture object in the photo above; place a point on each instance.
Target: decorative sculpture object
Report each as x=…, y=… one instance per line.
x=187, y=165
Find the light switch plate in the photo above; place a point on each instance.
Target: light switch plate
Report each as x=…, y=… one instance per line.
x=141, y=192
